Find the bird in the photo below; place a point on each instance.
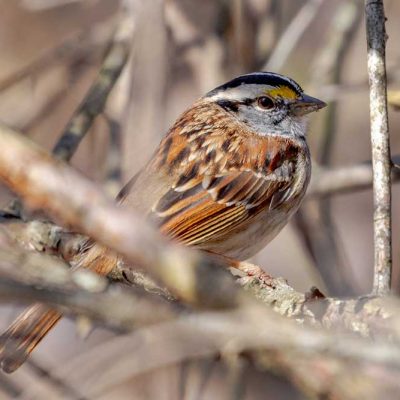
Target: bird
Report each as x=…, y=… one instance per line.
x=225, y=179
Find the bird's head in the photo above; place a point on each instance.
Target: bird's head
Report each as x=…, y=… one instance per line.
x=267, y=102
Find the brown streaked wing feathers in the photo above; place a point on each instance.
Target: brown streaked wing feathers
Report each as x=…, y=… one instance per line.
x=204, y=212
x=219, y=177
x=30, y=327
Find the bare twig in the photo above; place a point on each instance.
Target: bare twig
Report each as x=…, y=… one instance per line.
x=28, y=276
x=292, y=35
x=43, y=374
x=333, y=181
x=114, y=308
x=368, y=317
x=43, y=236
x=95, y=100
x=381, y=164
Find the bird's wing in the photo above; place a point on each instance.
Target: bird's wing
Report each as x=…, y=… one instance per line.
x=212, y=206
x=208, y=198
x=210, y=175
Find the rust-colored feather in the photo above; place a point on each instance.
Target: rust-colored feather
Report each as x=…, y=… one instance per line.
x=222, y=175
x=30, y=327
x=24, y=334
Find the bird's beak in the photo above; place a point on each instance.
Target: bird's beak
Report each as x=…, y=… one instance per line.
x=306, y=104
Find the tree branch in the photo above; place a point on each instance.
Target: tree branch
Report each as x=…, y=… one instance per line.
x=292, y=35
x=94, y=102
x=352, y=178
x=367, y=316
x=270, y=341
x=28, y=277
x=49, y=185
x=321, y=364
x=381, y=164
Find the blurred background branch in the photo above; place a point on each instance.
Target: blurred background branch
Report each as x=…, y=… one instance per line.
x=293, y=33
x=95, y=100
x=315, y=221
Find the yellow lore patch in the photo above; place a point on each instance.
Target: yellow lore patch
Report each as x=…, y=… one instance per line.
x=282, y=91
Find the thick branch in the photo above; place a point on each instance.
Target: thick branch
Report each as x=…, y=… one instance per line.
x=367, y=316
x=272, y=342
x=51, y=185
x=27, y=277
x=376, y=42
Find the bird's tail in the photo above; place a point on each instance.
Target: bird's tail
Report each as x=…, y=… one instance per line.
x=24, y=334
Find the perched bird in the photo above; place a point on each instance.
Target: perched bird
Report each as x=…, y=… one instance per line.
x=226, y=178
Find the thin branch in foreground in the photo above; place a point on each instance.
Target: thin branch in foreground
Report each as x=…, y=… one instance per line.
x=95, y=100
x=381, y=163
x=314, y=222
x=31, y=276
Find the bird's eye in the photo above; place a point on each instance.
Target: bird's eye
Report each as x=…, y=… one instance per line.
x=265, y=103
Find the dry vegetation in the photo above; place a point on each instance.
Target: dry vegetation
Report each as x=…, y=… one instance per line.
x=97, y=82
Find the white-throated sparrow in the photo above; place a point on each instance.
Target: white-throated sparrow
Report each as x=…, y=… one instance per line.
x=226, y=178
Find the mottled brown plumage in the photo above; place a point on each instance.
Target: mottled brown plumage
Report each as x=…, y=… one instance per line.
x=217, y=178
x=226, y=179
